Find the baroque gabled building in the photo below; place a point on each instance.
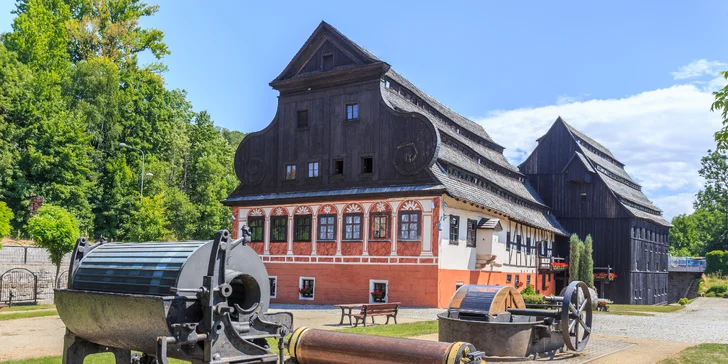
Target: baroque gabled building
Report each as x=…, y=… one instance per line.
x=363, y=183
x=591, y=193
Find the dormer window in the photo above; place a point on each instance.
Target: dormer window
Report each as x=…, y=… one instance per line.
x=352, y=111
x=302, y=118
x=327, y=62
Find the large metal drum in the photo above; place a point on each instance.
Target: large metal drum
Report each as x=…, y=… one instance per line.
x=201, y=297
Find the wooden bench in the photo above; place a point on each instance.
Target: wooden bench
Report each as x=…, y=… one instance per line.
x=376, y=309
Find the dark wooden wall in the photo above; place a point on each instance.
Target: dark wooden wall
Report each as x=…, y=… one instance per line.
x=402, y=145
x=599, y=214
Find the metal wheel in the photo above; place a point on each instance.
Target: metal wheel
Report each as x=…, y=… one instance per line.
x=576, y=316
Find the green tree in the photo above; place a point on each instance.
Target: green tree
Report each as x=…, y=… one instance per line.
x=586, y=263
x=182, y=214
x=56, y=230
x=721, y=105
x=149, y=223
x=575, y=250
x=6, y=216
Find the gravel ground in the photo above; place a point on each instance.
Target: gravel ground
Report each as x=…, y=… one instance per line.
x=703, y=321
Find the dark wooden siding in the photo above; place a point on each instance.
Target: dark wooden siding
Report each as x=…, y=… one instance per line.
x=390, y=138
x=601, y=215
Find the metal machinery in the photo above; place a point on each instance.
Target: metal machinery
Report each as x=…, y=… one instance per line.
x=495, y=319
x=311, y=346
x=202, y=301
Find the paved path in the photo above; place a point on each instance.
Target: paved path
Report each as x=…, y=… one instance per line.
x=703, y=321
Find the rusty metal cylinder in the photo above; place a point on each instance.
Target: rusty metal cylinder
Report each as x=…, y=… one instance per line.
x=311, y=346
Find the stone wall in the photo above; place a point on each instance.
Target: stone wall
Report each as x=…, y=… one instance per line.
x=26, y=273
x=679, y=283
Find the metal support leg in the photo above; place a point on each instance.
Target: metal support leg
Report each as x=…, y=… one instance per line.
x=76, y=349
x=281, y=356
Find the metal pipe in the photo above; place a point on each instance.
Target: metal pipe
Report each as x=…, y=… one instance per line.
x=534, y=312
x=311, y=346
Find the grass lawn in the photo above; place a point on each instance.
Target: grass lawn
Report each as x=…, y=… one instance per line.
x=26, y=314
x=26, y=308
x=639, y=310
x=401, y=330
x=703, y=353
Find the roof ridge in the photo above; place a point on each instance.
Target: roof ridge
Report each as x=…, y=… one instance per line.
x=589, y=140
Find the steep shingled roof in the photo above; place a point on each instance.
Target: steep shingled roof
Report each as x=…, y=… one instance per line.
x=616, y=178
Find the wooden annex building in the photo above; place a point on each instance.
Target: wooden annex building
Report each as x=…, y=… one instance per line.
x=591, y=193
x=363, y=183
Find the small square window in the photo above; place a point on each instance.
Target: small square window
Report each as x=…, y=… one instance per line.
x=273, y=281
x=327, y=62
x=291, y=171
x=367, y=165
x=509, y=278
x=302, y=118
x=338, y=167
x=313, y=169
x=306, y=288
x=352, y=111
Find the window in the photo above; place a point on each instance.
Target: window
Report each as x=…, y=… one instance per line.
x=273, y=284
x=327, y=227
x=454, y=229
x=378, y=291
x=313, y=169
x=352, y=227
x=409, y=223
x=380, y=224
x=528, y=280
x=367, y=165
x=458, y=285
x=543, y=281
x=302, y=118
x=338, y=167
x=583, y=197
x=518, y=280
x=291, y=171
x=256, y=228
x=278, y=228
x=509, y=278
x=306, y=288
x=302, y=228
x=508, y=240
x=528, y=246
x=471, y=243
x=327, y=62
x=352, y=111
x=518, y=243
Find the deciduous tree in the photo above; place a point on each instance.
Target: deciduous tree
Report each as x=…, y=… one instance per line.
x=56, y=230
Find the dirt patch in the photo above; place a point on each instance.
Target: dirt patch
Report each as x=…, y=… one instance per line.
x=31, y=338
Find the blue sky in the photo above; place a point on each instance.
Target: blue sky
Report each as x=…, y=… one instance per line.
x=512, y=67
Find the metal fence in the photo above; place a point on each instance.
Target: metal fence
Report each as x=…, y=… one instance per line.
x=27, y=255
x=696, y=262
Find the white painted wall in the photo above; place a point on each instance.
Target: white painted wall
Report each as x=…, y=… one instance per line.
x=461, y=257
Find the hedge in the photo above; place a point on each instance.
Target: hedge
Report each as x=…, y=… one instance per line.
x=716, y=262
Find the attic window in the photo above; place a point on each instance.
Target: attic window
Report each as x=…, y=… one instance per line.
x=352, y=111
x=338, y=167
x=327, y=62
x=367, y=165
x=302, y=118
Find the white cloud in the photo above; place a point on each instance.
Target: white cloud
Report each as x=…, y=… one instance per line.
x=659, y=135
x=699, y=68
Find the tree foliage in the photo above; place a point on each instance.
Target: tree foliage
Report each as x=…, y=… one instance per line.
x=720, y=105
x=6, y=215
x=56, y=230
x=72, y=90
x=586, y=263
x=575, y=250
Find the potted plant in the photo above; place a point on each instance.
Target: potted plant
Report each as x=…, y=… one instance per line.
x=377, y=295
x=306, y=291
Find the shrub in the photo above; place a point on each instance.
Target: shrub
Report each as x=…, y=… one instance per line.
x=533, y=299
x=683, y=301
x=716, y=262
x=575, y=248
x=586, y=263
x=718, y=290
x=528, y=290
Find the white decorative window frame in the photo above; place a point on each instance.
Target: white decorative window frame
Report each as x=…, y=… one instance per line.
x=300, y=285
x=371, y=289
x=275, y=291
